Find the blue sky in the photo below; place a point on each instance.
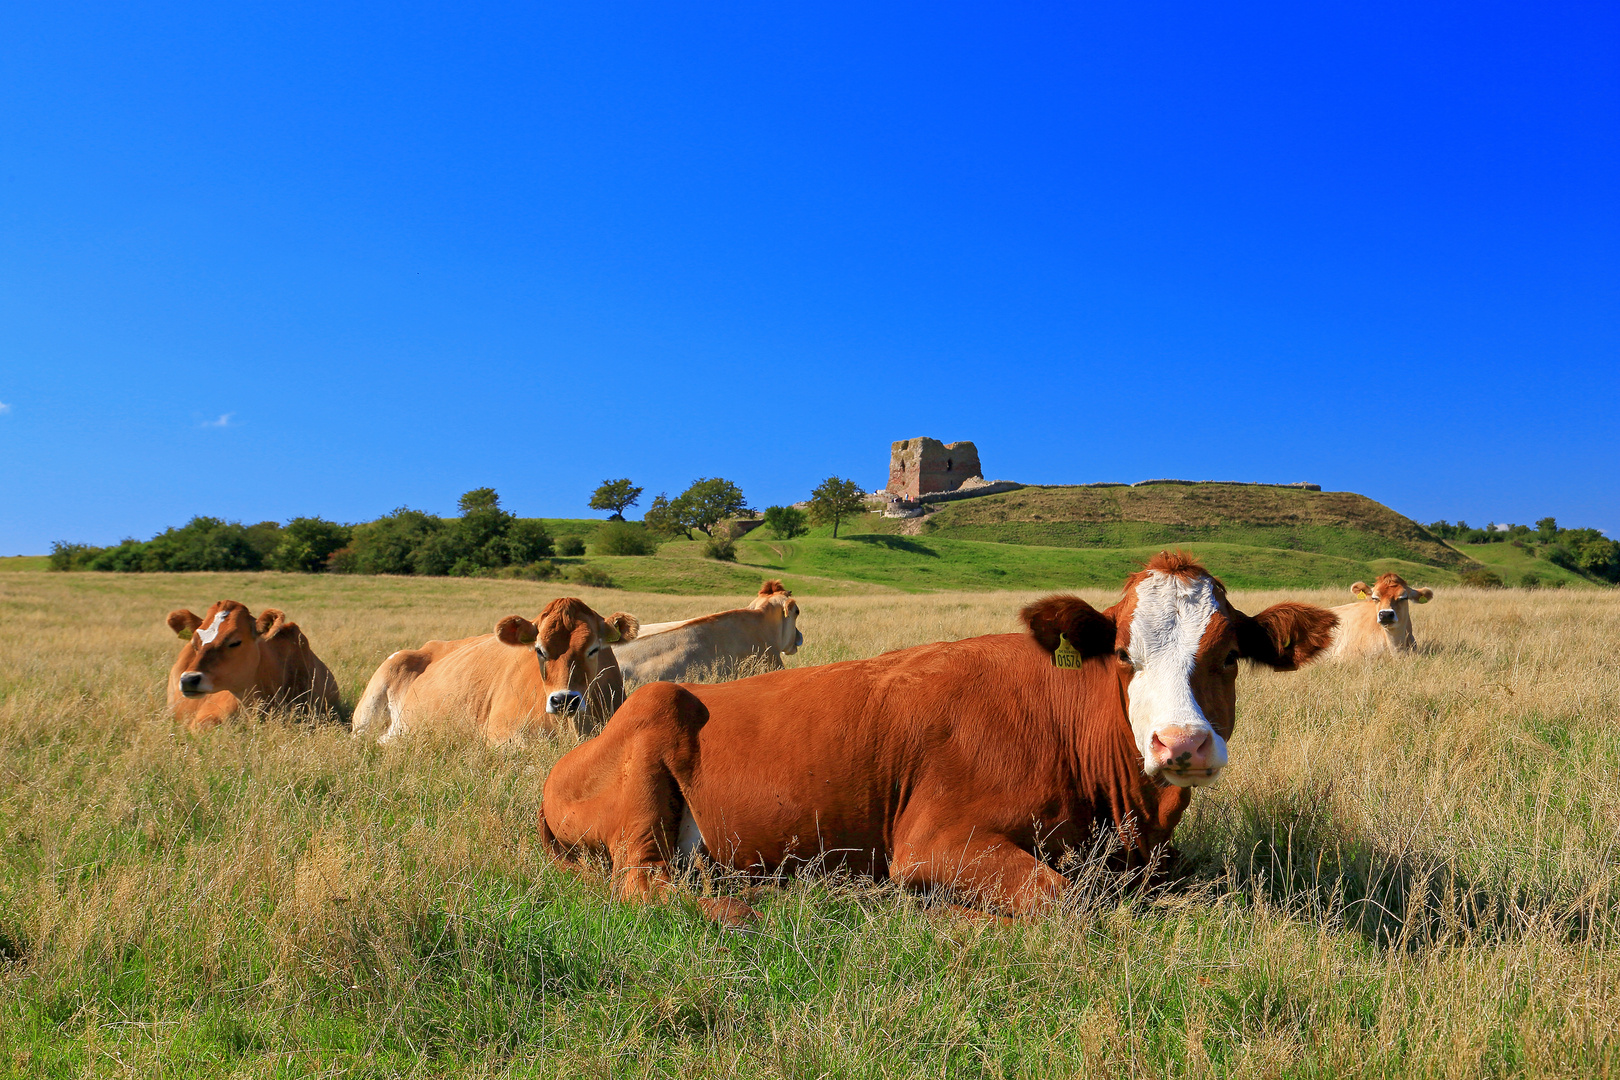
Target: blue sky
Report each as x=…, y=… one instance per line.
x=261, y=260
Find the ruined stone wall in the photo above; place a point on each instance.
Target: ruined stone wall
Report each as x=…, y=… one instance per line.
x=920, y=467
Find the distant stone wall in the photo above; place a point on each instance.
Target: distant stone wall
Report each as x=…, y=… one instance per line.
x=1242, y=483
x=923, y=466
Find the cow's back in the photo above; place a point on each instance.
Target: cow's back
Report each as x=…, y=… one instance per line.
x=296, y=674
x=839, y=756
x=475, y=680
x=672, y=654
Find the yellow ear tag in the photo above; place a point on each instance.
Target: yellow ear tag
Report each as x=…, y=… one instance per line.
x=1065, y=655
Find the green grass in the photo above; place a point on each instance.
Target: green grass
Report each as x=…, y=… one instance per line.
x=1513, y=564
x=24, y=562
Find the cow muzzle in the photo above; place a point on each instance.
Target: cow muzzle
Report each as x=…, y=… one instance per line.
x=192, y=683
x=562, y=702
x=1187, y=756
x=1386, y=616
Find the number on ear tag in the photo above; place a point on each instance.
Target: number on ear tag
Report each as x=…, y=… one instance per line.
x=1065, y=655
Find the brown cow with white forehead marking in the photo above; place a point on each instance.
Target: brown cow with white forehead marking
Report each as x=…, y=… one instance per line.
x=504, y=685
x=1380, y=621
x=971, y=766
x=231, y=659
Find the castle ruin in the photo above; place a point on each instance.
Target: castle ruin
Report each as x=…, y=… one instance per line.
x=920, y=467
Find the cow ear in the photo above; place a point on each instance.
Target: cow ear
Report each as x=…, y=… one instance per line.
x=1360, y=591
x=1284, y=636
x=620, y=626
x=516, y=630
x=183, y=622
x=1423, y=596
x=1086, y=628
x=272, y=622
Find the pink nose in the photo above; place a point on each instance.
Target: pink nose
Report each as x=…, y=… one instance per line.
x=1181, y=748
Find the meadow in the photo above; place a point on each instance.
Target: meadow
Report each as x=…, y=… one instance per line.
x=1409, y=869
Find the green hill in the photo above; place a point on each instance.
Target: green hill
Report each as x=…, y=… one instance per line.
x=1339, y=523
x=1057, y=537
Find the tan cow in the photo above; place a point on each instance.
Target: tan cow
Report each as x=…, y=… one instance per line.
x=1379, y=621
x=767, y=628
x=523, y=677
x=231, y=659
x=968, y=766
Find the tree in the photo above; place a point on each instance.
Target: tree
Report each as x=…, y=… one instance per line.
x=1547, y=530
x=706, y=503
x=662, y=518
x=305, y=544
x=617, y=496
x=785, y=522
x=836, y=500
x=478, y=499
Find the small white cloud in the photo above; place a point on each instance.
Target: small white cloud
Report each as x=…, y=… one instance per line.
x=223, y=421
x=4, y=408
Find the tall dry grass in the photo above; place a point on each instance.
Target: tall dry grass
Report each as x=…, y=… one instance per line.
x=1408, y=870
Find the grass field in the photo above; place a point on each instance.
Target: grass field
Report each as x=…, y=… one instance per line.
x=1409, y=870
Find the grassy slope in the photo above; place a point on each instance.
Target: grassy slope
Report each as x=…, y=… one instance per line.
x=1336, y=523
x=1513, y=564
x=24, y=562
x=275, y=899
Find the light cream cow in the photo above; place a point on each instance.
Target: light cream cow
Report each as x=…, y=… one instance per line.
x=1380, y=621
x=766, y=629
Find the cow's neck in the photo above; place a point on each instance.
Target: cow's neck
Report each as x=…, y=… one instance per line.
x=1107, y=767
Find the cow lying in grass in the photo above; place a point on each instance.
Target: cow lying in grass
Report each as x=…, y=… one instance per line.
x=1380, y=621
x=523, y=677
x=766, y=629
x=231, y=659
x=970, y=766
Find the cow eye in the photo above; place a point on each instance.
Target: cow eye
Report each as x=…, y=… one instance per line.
x=1124, y=655
x=542, y=653
x=594, y=650
x=1232, y=658
x=234, y=644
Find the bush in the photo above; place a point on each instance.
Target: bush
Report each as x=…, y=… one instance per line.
x=592, y=576
x=1482, y=578
x=66, y=556
x=623, y=538
x=527, y=541
x=786, y=522
x=571, y=545
x=1530, y=580
x=306, y=544
x=723, y=548
x=203, y=543
x=389, y=544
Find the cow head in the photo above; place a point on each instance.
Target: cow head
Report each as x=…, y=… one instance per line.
x=574, y=646
x=1174, y=641
x=784, y=611
x=1394, y=597
x=222, y=647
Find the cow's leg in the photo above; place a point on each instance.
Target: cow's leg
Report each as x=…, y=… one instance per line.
x=214, y=710
x=982, y=868
x=616, y=794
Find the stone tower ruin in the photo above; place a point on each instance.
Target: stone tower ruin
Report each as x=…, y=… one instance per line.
x=925, y=466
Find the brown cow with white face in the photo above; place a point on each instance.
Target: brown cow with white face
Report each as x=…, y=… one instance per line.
x=1380, y=621
x=523, y=677
x=971, y=766
x=231, y=659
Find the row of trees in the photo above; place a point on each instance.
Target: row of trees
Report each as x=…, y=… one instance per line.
x=484, y=539
x=1585, y=551
x=711, y=500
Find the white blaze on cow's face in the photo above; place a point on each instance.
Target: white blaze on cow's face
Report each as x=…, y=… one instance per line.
x=1167, y=629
